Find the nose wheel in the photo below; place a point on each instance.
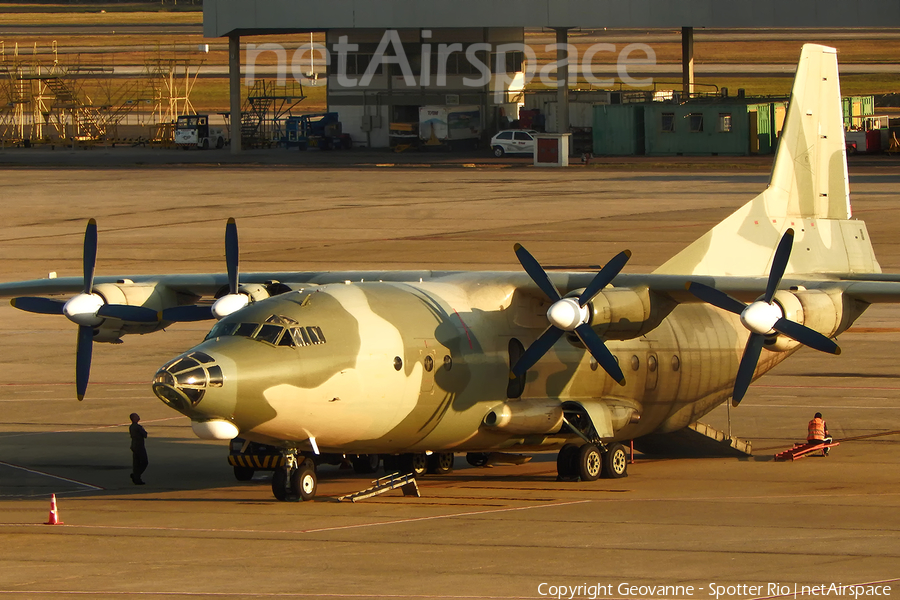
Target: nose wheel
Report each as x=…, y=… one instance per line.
x=296, y=481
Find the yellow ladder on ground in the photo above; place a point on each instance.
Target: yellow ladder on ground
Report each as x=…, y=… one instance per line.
x=406, y=482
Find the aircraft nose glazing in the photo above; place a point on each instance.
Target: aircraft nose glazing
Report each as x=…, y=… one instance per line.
x=182, y=383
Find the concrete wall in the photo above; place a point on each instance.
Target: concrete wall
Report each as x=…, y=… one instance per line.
x=221, y=17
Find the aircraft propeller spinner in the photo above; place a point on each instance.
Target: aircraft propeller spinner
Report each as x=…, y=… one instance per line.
x=763, y=318
x=87, y=310
x=570, y=315
x=232, y=301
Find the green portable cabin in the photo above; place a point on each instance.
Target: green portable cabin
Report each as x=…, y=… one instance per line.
x=695, y=128
x=667, y=129
x=618, y=129
x=855, y=108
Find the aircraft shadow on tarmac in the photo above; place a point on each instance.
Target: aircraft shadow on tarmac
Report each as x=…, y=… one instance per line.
x=99, y=463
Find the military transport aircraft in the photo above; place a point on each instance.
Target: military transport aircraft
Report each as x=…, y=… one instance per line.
x=414, y=366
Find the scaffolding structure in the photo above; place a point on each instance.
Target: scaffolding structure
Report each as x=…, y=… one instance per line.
x=264, y=111
x=42, y=99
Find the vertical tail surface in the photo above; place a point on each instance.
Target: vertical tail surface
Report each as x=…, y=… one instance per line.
x=808, y=191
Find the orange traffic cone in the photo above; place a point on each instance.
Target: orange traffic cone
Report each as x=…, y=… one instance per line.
x=54, y=513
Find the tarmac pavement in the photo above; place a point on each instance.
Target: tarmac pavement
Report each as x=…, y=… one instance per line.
x=755, y=527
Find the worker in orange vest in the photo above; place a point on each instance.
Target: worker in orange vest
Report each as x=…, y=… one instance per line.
x=818, y=432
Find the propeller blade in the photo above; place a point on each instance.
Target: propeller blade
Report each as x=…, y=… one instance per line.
x=747, y=367
x=537, y=273
x=779, y=264
x=600, y=352
x=90, y=255
x=536, y=350
x=231, y=254
x=718, y=299
x=134, y=314
x=184, y=314
x=606, y=275
x=806, y=336
x=83, y=359
x=43, y=306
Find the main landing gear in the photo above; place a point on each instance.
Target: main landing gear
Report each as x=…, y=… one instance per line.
x=296, y=480
x=589, y=462
x=419, y=463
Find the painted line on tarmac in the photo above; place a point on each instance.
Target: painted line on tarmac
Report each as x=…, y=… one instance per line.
x=826, y=387
x=98, y=427
x=58, y=383
x=452, y=515
x=66, y=479
x=819, y=406
x=319, y=529
x=256, y=594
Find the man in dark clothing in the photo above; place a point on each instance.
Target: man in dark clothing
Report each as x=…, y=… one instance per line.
x=138, y=451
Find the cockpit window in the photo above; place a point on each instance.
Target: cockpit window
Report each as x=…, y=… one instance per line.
x=272, y=331
x=315, y=335
x=300, y=336
x=221, y=330
x=245, y=329
x=269, y=333
x=281, y=320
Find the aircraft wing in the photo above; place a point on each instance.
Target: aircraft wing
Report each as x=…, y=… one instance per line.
x=874, y=288
x=203, y=284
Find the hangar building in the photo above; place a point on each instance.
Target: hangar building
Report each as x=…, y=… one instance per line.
x=483, y=26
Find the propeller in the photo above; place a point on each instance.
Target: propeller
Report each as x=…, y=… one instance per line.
x=234, y=300
x=570, y=315
x=762, y=318
x=87, y=310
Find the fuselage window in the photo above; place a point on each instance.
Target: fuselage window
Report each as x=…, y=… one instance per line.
x=269, y=333
x=287, y=339
x=245, y=329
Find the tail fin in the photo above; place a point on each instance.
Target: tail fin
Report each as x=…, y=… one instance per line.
x=808, y=191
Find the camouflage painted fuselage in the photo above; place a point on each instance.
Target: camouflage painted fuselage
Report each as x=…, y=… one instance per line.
x=417, y=366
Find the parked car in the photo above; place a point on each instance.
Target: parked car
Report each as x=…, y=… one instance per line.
x=513, y=141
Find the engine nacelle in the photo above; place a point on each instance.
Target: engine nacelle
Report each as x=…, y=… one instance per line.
x=817, y=309
x=254, y=291
x=131, y=294
x=627, y=313
x=526, y=416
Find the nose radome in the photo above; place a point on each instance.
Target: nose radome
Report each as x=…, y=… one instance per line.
x=182, y=383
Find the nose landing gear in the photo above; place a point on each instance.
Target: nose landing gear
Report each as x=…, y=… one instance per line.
x=295, y=481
